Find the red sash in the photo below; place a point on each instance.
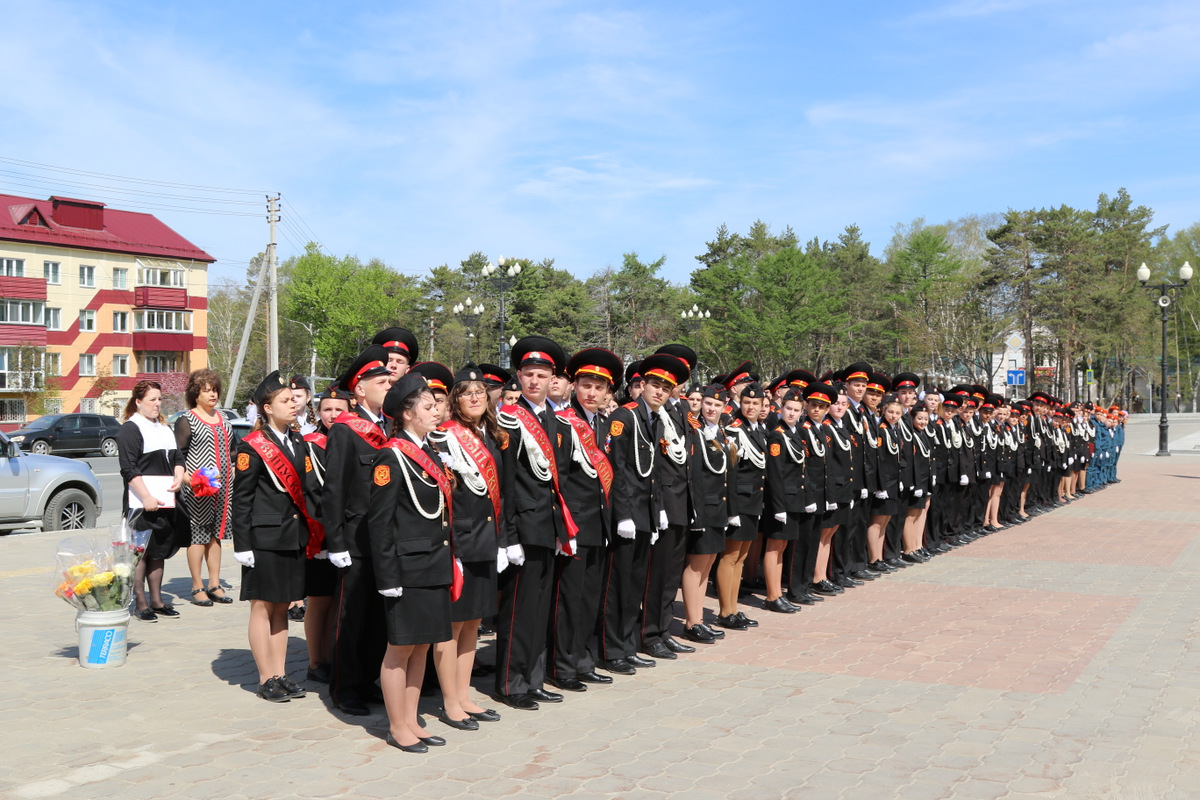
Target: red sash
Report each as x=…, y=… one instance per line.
x=285, y=472
x=595, y=455
x=316, y=438
x=368, y=430
x=407, y=446
x=530, y=423
x=483, y=459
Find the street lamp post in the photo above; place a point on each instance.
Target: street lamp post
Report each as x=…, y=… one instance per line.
x=506, y=279
x=469, y=316
x=692, y=319
x=1164, y=290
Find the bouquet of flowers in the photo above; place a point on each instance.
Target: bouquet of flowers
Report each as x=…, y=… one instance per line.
x=94, y=576
x=205, y=482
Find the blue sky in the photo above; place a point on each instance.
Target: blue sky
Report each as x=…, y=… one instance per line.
x=420, y=132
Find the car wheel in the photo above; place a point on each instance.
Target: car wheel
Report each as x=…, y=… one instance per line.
x=69, y=510
x=41, y=447
x=109, y=448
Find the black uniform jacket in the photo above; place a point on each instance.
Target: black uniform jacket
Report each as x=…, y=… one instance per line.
x=785, y=471
x=713, y=478
x=633, y=440
x=816, y=479
x=263, y=517
x=346, y=495
x=840, y=486
x=532, y=515
x=476, y=531
x=672, y=477
x=751, y=479
x=407, y=548
x=887, y=473
x=584, y=494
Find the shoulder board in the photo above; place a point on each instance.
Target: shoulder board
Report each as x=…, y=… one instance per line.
x=737, y=423
x=780, y=429
x=631, y=405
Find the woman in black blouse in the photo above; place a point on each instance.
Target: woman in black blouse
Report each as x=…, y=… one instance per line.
x=146, y=448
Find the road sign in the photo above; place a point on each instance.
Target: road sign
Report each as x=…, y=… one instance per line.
x=1091, y=378
x=1016, y=377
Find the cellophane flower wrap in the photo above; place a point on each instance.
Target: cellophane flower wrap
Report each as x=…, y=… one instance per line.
x=96, y=575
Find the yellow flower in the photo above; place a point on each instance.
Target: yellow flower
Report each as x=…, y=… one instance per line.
x=103, y=579
x=84, y=586
x=82, y=570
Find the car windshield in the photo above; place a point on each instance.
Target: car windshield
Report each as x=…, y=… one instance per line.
x=44, y=422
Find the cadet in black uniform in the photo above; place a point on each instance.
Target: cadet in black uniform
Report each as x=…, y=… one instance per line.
x=270, y=523
x=785, y=497
x=750, y=438
x=401, y=348
x=824, y=479
x=412, y=554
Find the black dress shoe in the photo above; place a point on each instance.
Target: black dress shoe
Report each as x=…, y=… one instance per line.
x=419, y=747
x=319, y=673
x=896, y=562
x=658, y=650
x=146, y=615
x=467, y=724
x=165, y=610
x=711, y=631
x=825, y=588
x=567, y=684
x=847, y=582
x=863, y=575
x=802, y=599
x=779, y=606
x=222, y=598
x=354, y=706
x=294, y=689
x=678, y=647
x=521, y=701
x=732, y=622
x=618, y=665
x=595, y=677
x=642, y=663
x=883, y=567
x=433, y=741
x=750, y=623
x=373, y=694
x=273, y=691
x=487, y=715
x=296, y=614
x=543, y=696
x=697, y=634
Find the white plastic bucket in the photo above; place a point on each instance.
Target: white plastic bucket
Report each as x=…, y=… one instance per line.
x=102, y=637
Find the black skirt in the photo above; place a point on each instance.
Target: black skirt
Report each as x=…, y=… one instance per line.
x=913, y=503
x=421, y=615
x=706, y=542
x=886, y=507
x=479, y=592
x=746, y=532
x=277, y=576
x=168, y=530
x=836, y=518
x=784, y=531
x=320, y=577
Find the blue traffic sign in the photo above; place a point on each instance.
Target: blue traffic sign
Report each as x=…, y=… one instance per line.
x=1016, y=377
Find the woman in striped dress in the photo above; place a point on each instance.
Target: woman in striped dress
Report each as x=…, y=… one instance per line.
x=205, y=439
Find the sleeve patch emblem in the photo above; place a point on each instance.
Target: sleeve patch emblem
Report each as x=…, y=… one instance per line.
x=776, y=449
x=243, y=462
x=560, y=440
x=617, y=428
x=308, y=463
x=383, y=475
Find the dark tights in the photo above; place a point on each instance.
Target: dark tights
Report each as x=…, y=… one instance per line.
x=149, y=572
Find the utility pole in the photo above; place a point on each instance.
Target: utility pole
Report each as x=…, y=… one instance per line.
x=273, y=298
x=430, y=339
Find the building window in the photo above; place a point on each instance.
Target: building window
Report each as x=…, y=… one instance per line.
x=120, y=322
x=120, y=366
x=51, y=272
x=52, y=365
x=53, y=405
x=87, y=321
x=53, y=319
x=171, y=321
x=14, y=374
x=89, y=405
x=22, y=312
x=120, y=278
x=87, y=364
x=12, y=267
x=87, y=276
x=159, y=362
x=160, y=276
x=12, y=410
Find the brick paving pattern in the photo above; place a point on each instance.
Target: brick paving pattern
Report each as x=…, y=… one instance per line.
x=1055, y=660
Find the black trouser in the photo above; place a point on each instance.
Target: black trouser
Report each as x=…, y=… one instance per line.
x=801, y=555
x=664, y=575
x=893, y=535
x=855, y=549
x=577, y=583
x=526, y=594
x=624, y=584
x=935, y=518
x=359, y=633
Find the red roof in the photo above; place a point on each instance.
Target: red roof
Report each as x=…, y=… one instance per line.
x=123, y=232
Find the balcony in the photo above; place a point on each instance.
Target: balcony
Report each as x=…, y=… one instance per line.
x=157, y=297
x=23, y=288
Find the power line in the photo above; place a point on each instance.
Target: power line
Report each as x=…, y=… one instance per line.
x=134, y=205
x=108, y=176
x=118, y=190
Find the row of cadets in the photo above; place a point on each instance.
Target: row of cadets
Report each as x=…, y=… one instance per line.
x=750, y=437
x=537, y=524
x=788, y=517
x=587, y=485
x=351, y=445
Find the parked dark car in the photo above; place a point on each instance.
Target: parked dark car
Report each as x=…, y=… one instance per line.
x=69, y=433
x=56, y=493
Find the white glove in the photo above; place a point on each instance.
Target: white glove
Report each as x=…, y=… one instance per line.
x=392, y=592
x=862, y=495
x=558, y=551
x=963, y=480
x=340, y=560
x=811, y=508
x=735, y=522
x=987, y=475
x=662, y=520
x=501, y=560
x=902, y=486
x=918, y=492
x=1070, y=461
x=515, y=553
x=852, y=504
x=831, y=506
x=781, y=516
x=245, y=558
x=881, y=495
x=323, y=555
x=933, y=480
x=1029, y=471
x=653, y=537
x=625, y=529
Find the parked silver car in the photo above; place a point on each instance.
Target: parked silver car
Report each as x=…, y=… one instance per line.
x=55, y=493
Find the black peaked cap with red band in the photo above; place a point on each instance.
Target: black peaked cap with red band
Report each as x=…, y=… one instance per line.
x=858, y=371
x=680, y=351
x=493, y=376
x=821, y=392
x=398, y=340
x=369, y=364
x=905, y=380
x=598, y=363
x=438, y=376
x=539, y=351
x=665, y=367
x=633, y=373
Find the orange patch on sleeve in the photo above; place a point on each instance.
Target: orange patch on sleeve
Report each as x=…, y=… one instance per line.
x=308, y=463
x=243, y=462
x=383, y=475
x=776, y=449
x=617, y=428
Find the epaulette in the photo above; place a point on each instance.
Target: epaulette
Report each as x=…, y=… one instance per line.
x=737, y=423
x=507, y=420
x=631, y=405
x=779, y=429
